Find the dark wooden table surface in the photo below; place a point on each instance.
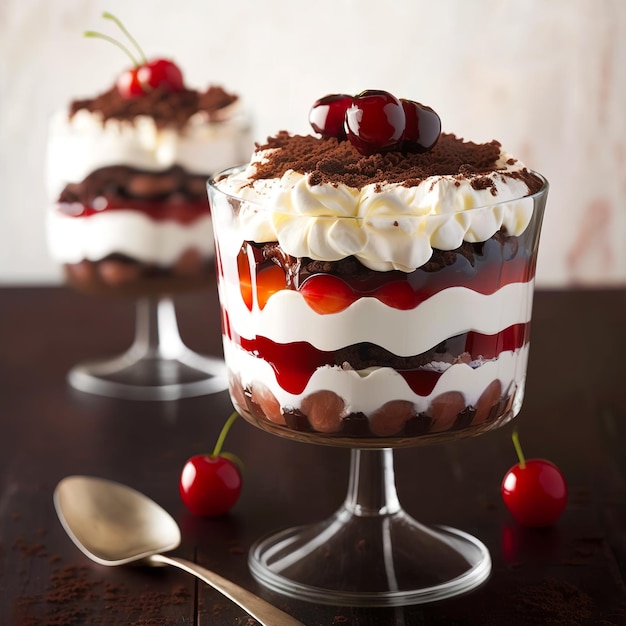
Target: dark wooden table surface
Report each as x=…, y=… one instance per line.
x=574, y=414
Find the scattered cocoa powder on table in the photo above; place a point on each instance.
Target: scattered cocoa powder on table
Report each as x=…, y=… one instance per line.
x=554, y=603
x=74, y=589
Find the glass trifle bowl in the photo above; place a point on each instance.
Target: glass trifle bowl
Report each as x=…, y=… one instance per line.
x=129, y=218
x=374, y=323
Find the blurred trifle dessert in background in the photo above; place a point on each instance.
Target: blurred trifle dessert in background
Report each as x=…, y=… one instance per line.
x=126, y=175
x=376, y=283
x=129, y=178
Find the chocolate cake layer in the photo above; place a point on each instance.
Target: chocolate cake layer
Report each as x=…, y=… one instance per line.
x=297, y=270
x=117, y=275
x=120, y=182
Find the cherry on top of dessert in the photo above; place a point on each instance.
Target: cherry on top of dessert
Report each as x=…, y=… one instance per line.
x=328, y=114
x=375, y=121
x=423, y=126
x=145, y=75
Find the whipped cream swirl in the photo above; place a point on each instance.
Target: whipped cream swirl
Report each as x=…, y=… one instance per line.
x=386, y=226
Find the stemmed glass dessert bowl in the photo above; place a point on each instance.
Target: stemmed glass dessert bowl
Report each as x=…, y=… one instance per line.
x=136, y=224
x=337, y=353
x=146, y=250
x=126, y=175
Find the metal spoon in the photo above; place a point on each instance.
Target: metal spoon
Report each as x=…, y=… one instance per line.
x=114, y=524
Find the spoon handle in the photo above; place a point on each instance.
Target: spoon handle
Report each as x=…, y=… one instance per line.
x=262, y=611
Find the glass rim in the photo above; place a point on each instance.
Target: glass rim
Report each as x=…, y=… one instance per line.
x=213, y=183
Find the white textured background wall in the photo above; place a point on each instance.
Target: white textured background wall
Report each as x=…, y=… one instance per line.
x=546, y=78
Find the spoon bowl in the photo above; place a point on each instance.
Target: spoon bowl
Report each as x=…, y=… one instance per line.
x=111, y=523
x=114, y=525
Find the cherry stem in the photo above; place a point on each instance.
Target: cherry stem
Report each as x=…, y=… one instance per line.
x=109, y=16
x=220, y=440
x=518, y=449
x=97, y=35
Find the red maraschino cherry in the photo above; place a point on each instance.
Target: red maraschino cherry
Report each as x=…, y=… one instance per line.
x=145, y=75
x=326, y=293
x=328, y=114
x=534, y=491
x=375, y=122
x=210, y=484
x=423, y=126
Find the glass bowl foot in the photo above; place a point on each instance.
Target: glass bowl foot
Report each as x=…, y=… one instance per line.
x=370, y=552
x=158, y=365
x=151, y=378
x=388, y=560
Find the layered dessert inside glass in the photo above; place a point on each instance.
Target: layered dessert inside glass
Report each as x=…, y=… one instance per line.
x=376, y=297
x=127, y=173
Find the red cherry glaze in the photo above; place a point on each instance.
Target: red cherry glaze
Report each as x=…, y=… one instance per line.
x=423, y=126
x=398, y=295
x=268, y=281
x=327, y=115
x=139, y=80
x=245, y=279
x=282, y=356
x=325, y=293
x=490, y=346
x=182, y=211
x=493, y=268
x=375, y=122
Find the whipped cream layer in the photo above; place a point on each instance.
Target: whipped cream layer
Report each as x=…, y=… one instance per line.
x=84, y=142
x=287, y=318
x=367, y=390
x=385, y=225
x=126, y=232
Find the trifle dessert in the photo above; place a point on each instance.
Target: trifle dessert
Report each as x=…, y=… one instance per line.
x=127, y=171
x=376, y=278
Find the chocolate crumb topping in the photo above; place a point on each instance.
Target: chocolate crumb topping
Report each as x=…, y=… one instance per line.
x=168, y=108
x=331, y=161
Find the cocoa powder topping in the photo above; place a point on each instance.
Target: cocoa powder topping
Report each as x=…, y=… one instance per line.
x=168, y=108
x=331, y=161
